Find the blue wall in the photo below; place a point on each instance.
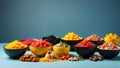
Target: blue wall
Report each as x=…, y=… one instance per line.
x=21, y=19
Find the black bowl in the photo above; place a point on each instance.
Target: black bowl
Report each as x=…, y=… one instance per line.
x=85, y=52
x=72, y=43
x=97, y=43
x=14, y=53
x=52, y=39
x=108, y=54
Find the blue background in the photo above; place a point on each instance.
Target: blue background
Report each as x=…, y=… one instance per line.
x=21, y=19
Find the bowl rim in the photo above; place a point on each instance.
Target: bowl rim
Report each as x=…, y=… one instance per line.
x=107, y=50
x=71, y=40
x=95, y=41
x=13, y=49
x=40, y=47
x=102, y=39
x=61, y=47
x=86, y=47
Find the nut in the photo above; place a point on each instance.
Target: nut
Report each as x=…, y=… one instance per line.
x=29, y=58
x=73, y=59
x=95, y=58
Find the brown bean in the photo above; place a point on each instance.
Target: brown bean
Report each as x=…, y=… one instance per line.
x=95, y=58
x=34, y=59
x=29, y=58
x=91, y=58
x=99, y=58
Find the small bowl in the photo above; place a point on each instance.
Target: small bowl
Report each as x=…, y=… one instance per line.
x=60, y=51
x=14, y=53
x=85, y=52
x=52, y=39
x=72, y=43
x=108, y=54
x=40, y=51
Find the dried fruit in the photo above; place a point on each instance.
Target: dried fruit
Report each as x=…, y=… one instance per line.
x=51, y=55
x=72, y=36
x=41, y=43
x=65, y=57
x=15, y=45
x=45, y=60
x=29, y=41
x=112, y=38
x=96, y=58
x=61, y=45
x=29, y=58
x=85, y=43
x=73, y=59
x=94, y=37
x=109, y=46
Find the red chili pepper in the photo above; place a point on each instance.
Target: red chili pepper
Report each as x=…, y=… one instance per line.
x=65, y=57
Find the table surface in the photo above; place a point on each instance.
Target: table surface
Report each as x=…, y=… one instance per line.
x=6, y=62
